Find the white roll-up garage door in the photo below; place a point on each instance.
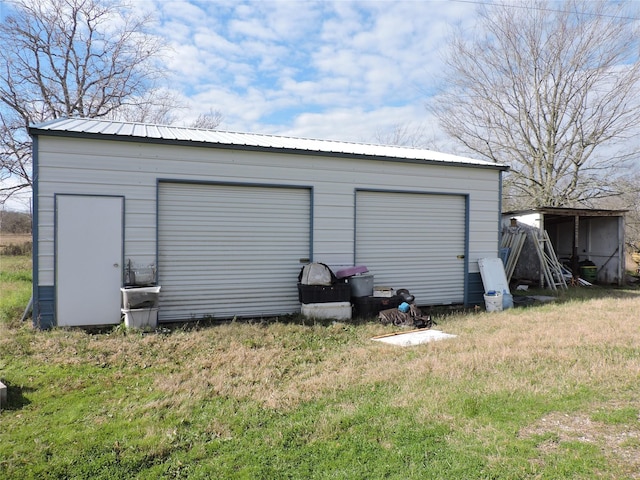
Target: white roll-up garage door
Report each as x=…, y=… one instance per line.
x=414, y=241
x=230, y=250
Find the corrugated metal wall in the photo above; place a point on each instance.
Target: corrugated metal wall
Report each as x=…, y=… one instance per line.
x=133, y=170
x=230, y=250
x=414, y=241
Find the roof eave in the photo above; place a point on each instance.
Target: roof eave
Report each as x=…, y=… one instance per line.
x=39, y=130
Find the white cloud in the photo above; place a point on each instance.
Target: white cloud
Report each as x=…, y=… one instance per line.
x=340, y=70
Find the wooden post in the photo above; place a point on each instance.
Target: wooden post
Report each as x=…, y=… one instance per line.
x=575, y=261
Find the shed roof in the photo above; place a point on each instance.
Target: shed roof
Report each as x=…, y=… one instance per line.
x=115, y=130
x=569, y=212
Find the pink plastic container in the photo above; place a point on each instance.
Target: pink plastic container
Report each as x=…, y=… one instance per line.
x=351, y=271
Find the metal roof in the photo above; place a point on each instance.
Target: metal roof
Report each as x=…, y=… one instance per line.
x=92, y=127
x=568, y=212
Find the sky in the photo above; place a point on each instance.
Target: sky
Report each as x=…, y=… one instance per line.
x=349, y=70
x=341, y=70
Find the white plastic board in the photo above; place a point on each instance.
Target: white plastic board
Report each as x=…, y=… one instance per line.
x=493, y=276
x=414, y=338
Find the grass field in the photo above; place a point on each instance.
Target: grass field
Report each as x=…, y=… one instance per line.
x=549, y=391
x=15, y=244
x=14, y=238
x=15, y=287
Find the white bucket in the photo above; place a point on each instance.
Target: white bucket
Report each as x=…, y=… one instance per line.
x=493, y=301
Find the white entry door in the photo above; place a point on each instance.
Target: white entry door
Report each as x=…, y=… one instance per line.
x=88, y=259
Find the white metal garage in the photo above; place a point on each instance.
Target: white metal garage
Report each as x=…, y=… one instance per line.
x=228, y=218
x=414, y=241
x=227, y=250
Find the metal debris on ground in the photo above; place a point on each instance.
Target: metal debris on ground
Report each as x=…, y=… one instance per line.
x=551, y=266
x=513, y=241
x=411, y=318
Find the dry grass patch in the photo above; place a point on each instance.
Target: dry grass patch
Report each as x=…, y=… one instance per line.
x=620, y=443
x=14, y=238
x=15, y=244
x=573, y=342
x=535, y=352
x=276, y=368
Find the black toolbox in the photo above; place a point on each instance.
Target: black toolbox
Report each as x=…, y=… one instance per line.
x=369, y=307
x=338, y=292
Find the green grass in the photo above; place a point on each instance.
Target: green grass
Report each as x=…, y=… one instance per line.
x=547, y=392
x=616, y=416
x=15, y=286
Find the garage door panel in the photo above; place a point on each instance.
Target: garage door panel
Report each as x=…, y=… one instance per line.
x=231, y=250
x=414, y=241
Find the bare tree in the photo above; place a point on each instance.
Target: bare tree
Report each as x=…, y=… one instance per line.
x=550, y=89
x=210, y=120
x=629, y=200
x=405, y=135
x=156, y=106
x=66, y=58
x=15, y=222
